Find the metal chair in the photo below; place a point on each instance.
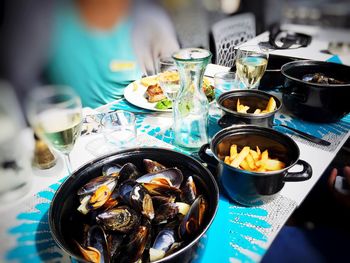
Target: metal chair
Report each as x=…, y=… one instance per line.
x=229, y=33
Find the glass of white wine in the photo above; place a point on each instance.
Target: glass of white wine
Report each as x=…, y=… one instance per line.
x=251, y=63
x=55, y=113
x=169, y=79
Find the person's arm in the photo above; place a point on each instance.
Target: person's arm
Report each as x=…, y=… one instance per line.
x=153, y=37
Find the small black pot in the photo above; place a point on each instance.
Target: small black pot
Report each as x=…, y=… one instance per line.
x=316, y=102
x=273, y=76
x=253, y=188
x=255, y=99
x=64, y=217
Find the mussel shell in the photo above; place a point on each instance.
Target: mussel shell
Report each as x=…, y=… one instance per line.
x=189, y=191
x=160, y=200
x=163, y=242
x=165, y=212
x=171, y=176
x=193, y=220
x=161, y=189
x=96, y=238
x=111, y=170
x=135, y=245
x=153, y=166
x=96, y=182
x=114, y=243
x=122, y=219
x=129, y=171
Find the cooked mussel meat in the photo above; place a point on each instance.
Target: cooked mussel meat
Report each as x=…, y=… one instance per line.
x=193, y=220
x=122, y=219
x=163, y=242
x=158, y=200
x=172, y=177
x=189, y=191
x=161, y=189
x=153, y=166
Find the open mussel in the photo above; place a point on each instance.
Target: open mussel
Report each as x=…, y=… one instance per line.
x=153, y=166
x=158, y=200
x=172, y=177
x=137, y=197
x=169, y=211
x=135, y=244
x=122, y=219
x=193, y=220
x=95, y=193
x=161, y=189
x=95, y=248
x=163, y=242
x=189, y=191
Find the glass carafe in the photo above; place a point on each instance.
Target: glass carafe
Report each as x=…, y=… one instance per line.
x=191, y=106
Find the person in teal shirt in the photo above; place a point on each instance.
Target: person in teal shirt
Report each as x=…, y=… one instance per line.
x=99, y=47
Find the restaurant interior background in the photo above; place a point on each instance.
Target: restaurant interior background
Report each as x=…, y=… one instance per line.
x=24, y=44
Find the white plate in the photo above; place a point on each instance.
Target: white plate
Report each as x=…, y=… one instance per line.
x=135, y=94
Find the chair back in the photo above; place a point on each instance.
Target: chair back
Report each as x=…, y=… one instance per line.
x=229, y=33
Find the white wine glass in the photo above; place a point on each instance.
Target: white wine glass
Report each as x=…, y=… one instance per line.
x=169, y=79
x=251, y=63
x=55, y=113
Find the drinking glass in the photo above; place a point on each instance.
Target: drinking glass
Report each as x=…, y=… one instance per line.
x=119, y=129
x=251, y=63
x=55, y=113
x=169, y=79
x=225, y=81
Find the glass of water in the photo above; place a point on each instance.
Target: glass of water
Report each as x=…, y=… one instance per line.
x=119, y=129
x=225, y=81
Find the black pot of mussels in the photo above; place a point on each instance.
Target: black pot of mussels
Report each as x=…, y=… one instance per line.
x=137, y=205
x=316, y=91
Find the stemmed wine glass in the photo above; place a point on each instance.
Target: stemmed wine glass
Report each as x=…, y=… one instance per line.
x=55, y=113
x=251, y=63
x=169, y=79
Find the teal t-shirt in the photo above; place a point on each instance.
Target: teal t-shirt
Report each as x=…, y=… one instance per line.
x=98, y=65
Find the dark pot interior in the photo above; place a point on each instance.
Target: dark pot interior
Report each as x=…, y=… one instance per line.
x=65, y=220
x=255, y=99
x=316, y=102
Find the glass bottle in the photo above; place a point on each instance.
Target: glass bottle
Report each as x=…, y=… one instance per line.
x=191, y=106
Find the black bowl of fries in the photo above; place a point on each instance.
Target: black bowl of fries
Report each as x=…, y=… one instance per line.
x=248, y=107
x=253, y=162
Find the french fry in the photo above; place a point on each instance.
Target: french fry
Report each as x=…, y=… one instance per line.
x=233, y=151
x=271, y=105
x=249, y=159
x=227, y=160
x=258, y=151
x=257, y=111
x=244, y=165
x=240, y=157
x=255, y=155
x=274, y=165
x=264, y=157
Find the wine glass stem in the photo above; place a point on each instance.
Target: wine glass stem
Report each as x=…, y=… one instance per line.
x=173, y=113
x=68, y=163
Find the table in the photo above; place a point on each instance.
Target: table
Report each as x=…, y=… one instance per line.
x=237, y=233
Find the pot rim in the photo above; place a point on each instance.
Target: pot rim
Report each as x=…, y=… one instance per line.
x=135, y=151
x=249, y=115
x=270, y=130
x=297, y=63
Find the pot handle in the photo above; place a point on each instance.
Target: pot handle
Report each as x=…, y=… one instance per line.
x=210, y=160
x=304, y=175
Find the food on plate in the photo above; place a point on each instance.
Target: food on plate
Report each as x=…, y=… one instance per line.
x=320, y=78
x=169, y=76
x=128, y=216
x=208, y=89
x=154, y=93
x=164, y=104
x=252, y=160
x=271, y=106
x=148, y=81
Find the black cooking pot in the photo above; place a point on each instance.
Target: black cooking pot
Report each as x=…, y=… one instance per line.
x=273, y=76
x=64, y=217
x=254, y=188
x=255, y=99
x=316, y=102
